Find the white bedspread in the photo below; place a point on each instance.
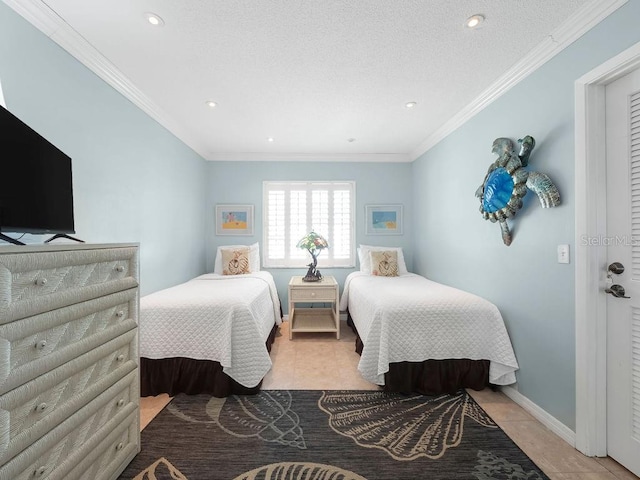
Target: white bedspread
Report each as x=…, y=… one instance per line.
x=226, y=318
x=410, y=318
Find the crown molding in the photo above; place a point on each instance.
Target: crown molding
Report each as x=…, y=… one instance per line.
x=38, y=14
x=309, y=157
x=568, y=32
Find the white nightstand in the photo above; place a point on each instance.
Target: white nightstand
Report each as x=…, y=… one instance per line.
x=312, y=318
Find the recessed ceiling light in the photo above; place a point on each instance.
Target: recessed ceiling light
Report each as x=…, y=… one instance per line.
x=410, y=104
x=154, y=19
x=270, y=139
x=211, y=103
x=474, y=21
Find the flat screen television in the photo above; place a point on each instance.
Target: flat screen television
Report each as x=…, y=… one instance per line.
x=36, y=190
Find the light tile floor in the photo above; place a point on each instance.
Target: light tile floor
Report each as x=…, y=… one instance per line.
x=317, y=361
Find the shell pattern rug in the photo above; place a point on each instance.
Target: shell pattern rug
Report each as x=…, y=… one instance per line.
x=327, y=435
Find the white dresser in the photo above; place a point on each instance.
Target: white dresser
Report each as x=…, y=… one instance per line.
x=69, y=388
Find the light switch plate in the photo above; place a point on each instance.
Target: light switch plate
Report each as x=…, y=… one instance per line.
x=563, y=253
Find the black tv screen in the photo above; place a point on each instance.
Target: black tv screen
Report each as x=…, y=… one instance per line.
x=36, y=191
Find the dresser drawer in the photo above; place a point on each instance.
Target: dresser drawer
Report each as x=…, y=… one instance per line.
x=37, y=407
x=58, y=452
x=112, y=455
x=32, y=284
x=35, y=345
x=313, y=294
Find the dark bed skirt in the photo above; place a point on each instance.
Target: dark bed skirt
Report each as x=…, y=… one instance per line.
x=186, y=375
x=432, y=377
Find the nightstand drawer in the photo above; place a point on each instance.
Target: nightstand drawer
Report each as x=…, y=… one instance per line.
x=313, y=295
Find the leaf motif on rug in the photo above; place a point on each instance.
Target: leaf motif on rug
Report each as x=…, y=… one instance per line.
x=160, y=470
x=266, y=415
x=407, y=427
x=298, y=471
x=492, y=467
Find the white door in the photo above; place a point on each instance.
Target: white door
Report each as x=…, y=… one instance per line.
x=623, y=240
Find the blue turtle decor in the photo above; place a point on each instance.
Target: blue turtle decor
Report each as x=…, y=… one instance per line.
x=507, y=181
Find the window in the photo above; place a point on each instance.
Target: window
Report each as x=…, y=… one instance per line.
x=293, y=209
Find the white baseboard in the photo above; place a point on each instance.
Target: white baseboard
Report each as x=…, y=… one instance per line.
x=541, y=415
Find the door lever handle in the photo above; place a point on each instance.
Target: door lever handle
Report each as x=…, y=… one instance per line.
x=616, y=290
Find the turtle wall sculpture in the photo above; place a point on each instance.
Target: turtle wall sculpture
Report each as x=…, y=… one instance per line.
x=507, y=182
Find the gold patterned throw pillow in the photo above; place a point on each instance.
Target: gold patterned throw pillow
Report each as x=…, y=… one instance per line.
x=384, y=263
x=235, y=261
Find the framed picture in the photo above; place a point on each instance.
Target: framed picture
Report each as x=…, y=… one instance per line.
x=383, y=219
x=234, y=219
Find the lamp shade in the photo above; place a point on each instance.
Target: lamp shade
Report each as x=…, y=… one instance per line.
x=313, y=241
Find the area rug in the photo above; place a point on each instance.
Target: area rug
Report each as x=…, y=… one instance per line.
x=327, y=435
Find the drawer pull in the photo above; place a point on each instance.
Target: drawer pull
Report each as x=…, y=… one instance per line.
x=40, y=344
x=313, y=294
x=41, y=408
x=120, y=358
x=119, y=269
x=121, y=402
x=40, y=471
x=41, y=282
x=119, y=446
x=120, y=313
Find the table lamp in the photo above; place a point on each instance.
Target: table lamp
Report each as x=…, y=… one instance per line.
x=314, y=243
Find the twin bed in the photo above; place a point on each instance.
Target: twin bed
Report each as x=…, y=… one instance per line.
x=415, y=335
x=213, y=334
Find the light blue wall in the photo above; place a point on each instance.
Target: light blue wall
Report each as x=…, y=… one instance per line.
x=534, y=293
x=133, y=181
x=376, y=183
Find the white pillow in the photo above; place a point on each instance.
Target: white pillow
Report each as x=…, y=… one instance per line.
x=365, y=258
x=254, y=257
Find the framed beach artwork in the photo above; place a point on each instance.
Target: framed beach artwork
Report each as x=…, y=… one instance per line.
x=383, y=219
x=234, y=219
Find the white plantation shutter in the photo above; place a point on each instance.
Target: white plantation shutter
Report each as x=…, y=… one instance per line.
x=293, y=209
x=274, y=230
x=297, y=225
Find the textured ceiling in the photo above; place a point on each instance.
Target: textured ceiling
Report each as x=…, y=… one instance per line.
x=310, y=74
